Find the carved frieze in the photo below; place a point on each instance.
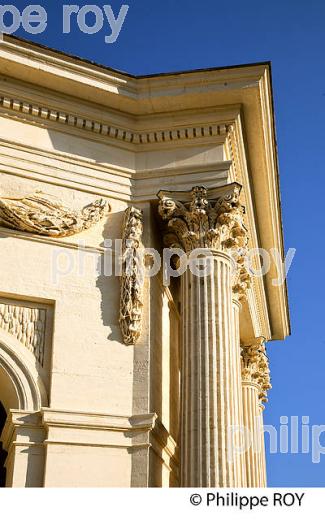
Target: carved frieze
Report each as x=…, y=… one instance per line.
x=44, y=215
x=131, y=298
x=27, y=324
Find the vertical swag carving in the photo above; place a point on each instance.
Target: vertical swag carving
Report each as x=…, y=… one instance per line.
x=131, y=299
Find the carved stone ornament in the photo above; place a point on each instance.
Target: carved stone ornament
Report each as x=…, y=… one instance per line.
x=255, y=367
x=208, y=218
x=27, y=324
x=44, y=215
x=204, y=218
x=241, y=281
x=131, y=299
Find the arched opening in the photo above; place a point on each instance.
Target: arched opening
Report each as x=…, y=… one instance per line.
x=8, y=400
x=3, y=453
x=21, y=389
x=21, y=386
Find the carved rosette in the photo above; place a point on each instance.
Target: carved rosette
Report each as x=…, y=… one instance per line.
x=131, y=299
x=211, y=219
x=42, y=215
x=255, y=368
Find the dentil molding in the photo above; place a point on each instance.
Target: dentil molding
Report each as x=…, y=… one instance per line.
x=182, y=133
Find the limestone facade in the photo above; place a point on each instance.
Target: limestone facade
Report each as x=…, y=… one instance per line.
x=109, y=376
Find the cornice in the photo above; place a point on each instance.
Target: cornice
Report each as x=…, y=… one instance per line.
x=65, y=418
x=16, y=419
x=235, y=142
x=41, y=60
x=42, y=113
x=136, y=90
x=280, y=301
x=127, y=430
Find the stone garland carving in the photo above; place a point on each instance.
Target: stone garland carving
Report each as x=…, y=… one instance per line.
x=131, y=299
x=27, y=325
x=241, y=278
x=208, y=218
x=41, y=215
x=255, y=368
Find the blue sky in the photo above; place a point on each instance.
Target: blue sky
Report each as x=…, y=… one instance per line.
x=170, y=35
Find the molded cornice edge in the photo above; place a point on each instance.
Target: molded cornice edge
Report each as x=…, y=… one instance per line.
x=120, y=134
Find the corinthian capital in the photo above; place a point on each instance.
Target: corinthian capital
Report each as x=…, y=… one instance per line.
x=204, y=218
x=255, y=367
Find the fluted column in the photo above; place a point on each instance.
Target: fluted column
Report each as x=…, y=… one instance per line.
x=211, y=399
x=262, y=462
x=255, y=383
x=238, y=415
x=207, y=386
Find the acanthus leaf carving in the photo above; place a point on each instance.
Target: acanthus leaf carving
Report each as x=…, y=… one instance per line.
x=255, y=367
x=211, y=219
x=204, y=218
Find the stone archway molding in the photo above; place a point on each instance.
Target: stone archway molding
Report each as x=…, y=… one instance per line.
x=20, y=365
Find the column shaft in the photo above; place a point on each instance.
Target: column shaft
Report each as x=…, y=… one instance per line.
x=263, y=477
x=238, y=416
x=209, y=387
x=253, y=450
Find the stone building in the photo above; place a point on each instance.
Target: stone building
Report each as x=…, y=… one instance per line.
x=109, y=375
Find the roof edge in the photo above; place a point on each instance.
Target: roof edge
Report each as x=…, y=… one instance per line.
x=29, y=43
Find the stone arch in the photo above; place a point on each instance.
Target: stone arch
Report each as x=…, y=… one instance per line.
x=22, y=390
x=3, y=453
x=21, y=386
